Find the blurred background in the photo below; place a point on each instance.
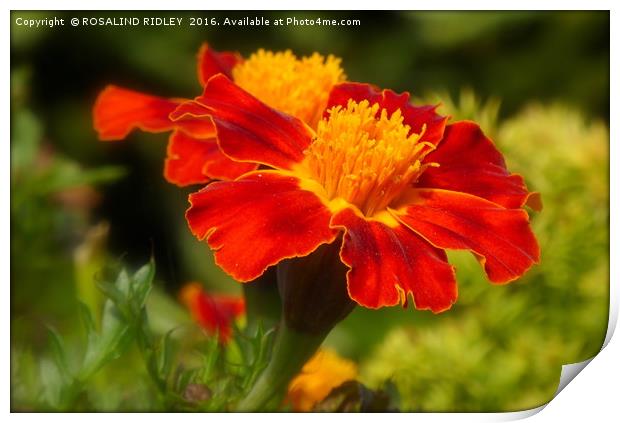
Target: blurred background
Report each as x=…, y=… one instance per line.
x=538, y=83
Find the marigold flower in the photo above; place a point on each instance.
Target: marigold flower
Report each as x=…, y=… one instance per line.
x=390, y=182
x=215, y=313
x=296, y=86
x=325, y=371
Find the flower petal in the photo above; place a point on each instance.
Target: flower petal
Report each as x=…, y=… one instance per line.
x=258, y=220
x=389, y=263
x=211, y=62
x=500, y=238
x=196, y=161
x=470, y=163
x=247, y=129
x=118, y=111
x=214, y=312
x=415, y=117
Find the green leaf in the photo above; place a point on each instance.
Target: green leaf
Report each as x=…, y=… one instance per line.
x=51, y=381
x=86, y=317
x=142, y=284
x=210, y=359
x=114, y=339
x=112, y=292
x=123, y=284
x=60, y=355
x=183, y=377
x=262, y=344
x=165, y=355
x=65, y=174
x=25, y=139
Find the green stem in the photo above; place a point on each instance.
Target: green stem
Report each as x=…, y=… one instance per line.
x=290, y=352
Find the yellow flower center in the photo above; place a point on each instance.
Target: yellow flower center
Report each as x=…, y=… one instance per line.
x=364, y=156
x=298, y=87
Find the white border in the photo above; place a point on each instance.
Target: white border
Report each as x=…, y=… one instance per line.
x=593, y=395
x=311, y=5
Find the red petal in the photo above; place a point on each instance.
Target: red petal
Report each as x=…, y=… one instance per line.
x=217, y=312
x=387, y=264
x=257, y=221
x=211, y=62
x=500, y=237
x=201, y=128
x=194, y=119
x=247, y=129
x=118, y=111
x=214, y=312
x=196, y=161
x=230, y=306
x=415, y=117
x=469, y=162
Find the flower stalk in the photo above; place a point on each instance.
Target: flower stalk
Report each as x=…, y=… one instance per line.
x=291, y=351
x=314, y=299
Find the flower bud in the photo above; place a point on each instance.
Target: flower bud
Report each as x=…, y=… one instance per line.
x=313, y=290
x=262, y=301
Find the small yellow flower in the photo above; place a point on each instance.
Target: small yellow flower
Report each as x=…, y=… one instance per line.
x=324, y=372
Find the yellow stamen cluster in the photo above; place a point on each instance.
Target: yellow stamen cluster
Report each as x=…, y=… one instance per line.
x=299, y=87
x=364, y=156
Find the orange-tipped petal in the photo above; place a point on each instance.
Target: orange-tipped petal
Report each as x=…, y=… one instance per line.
x=196, y=161
x=258, y=220
x=118, y=111
x=211, y=62
x=501, y=238
x=247, y=129
x=389, y=263
x=414, y=116
x=469, y=162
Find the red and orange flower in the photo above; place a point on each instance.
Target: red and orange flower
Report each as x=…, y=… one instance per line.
x=214, y=312
x=389, y=181
x=298, y=86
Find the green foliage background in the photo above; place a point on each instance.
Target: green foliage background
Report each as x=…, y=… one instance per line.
x=541, y=83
